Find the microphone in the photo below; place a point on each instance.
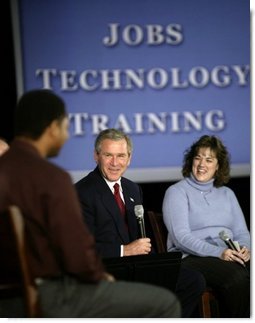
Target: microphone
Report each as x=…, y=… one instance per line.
x=139, y=211
x=227, y=240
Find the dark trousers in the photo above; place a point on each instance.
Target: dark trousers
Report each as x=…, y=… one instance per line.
x=67, y=297
x=189, y=288
x=229, y=280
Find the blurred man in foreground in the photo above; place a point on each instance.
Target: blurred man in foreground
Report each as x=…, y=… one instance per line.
x=64, y=264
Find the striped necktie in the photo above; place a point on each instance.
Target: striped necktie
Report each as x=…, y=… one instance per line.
x=118, y=199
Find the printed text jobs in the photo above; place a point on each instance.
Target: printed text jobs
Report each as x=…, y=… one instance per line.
x=134, y=35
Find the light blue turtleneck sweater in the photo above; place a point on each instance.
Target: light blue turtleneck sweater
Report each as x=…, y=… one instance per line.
x=195, y=213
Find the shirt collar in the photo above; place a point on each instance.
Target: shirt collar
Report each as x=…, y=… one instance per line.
x=111, y=184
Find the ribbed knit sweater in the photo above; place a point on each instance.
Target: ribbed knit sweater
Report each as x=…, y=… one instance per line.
x=195, y=213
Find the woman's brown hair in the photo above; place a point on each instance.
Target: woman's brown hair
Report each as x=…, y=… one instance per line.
x=222, y=175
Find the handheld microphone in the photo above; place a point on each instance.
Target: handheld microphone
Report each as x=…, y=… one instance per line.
x=139, y=211
x=227, y=240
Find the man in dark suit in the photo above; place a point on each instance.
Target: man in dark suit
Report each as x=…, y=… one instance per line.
x=112, y=231
x=117, y=234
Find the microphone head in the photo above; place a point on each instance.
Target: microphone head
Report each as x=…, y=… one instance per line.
x=139, y=211
x=223, y=235
x=228, y=241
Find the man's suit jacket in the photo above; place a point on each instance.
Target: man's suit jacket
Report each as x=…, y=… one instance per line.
x=102, y=214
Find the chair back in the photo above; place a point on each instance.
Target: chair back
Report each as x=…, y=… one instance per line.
x=208, y=304
x=13, y=219
x=159, y=230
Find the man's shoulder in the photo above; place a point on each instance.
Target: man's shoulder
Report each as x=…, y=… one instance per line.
x=129, y=185
x=56, y=174
x=88, y=180
x=127, y=181
x=55, y=169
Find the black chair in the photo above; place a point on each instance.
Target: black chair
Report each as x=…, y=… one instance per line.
x=208, y=306
x=14, y=258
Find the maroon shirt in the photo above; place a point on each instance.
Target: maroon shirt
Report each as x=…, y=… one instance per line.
x=58, y=239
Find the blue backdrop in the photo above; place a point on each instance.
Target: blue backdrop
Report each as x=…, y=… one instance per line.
x=164, y=71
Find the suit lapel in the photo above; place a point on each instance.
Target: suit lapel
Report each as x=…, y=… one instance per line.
x=112, y=208
x=130, y=205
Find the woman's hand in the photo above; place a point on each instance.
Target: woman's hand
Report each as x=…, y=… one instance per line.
x=241, y=256
x=245, y=254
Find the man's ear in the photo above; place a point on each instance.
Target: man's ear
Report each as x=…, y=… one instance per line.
x=129, y=160
x=95, y=156
x=53, y=128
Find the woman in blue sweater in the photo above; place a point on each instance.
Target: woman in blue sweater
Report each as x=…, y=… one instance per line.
x=196, y=210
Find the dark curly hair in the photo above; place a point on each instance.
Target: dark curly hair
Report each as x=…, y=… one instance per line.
x=222, y=175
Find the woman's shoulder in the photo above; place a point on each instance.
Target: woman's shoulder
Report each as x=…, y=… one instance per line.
x=178, y=186
x=226, y=190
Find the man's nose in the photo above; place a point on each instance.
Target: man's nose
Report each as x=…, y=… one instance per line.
x=114, y=160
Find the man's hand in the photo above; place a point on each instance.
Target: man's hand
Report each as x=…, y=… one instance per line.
x=138, y=247
x=108, y=277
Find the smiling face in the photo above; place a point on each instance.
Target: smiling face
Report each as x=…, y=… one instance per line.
x=205, y=165
x=113, y=158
